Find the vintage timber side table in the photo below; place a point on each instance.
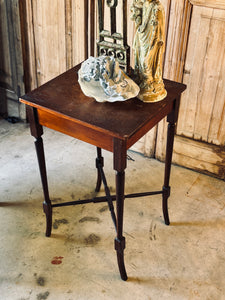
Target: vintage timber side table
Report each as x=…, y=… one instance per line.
x=61, y=105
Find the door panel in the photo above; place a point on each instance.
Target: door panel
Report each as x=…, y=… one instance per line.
x=202, y=106
x=200, y=140
x=11, y=62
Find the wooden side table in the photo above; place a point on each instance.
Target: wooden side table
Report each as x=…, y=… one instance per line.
x=60, y=105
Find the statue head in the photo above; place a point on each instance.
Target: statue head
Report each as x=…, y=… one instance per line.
x=138, y=4
x=136, y=11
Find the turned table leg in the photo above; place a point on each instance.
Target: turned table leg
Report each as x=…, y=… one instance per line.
x=166, y=187
x=37, y=132
x=171, y=119
x=119, y=166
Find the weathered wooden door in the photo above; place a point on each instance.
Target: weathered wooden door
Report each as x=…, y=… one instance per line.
x=11, y=61
x=195, y=55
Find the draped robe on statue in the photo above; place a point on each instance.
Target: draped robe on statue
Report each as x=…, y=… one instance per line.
x=149, y=49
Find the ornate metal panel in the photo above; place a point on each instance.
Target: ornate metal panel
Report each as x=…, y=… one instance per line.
x=113, y=43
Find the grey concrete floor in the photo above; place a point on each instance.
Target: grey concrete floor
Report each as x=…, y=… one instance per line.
x=185, y=260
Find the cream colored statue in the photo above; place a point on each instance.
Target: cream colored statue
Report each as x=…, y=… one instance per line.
x=148, y=46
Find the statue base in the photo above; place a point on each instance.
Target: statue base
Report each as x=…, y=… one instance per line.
x=152, y=95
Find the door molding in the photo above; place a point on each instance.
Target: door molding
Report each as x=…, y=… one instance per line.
x=220, y=4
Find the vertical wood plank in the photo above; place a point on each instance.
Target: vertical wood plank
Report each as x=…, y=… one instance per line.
x=179, y=22
x=78, y=31
x=177, y=39
x=50, y=42
x=86, y=40
x=130, y=32
x=4, y=47
x=11, y=61
x=68, y=33
x=204, y=100
x=25, y=44
x=92, y=27
x=31, y=51
x=15, y=46
x=5, y=70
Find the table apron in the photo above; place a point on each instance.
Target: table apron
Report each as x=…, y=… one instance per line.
x=149, y=125
x=76, y=130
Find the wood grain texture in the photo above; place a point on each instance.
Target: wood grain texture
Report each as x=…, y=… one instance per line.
x=75, y=129
x=49, y=38
x=68, y=33
x=201, y=67
x=31, y=51
x=202, y=108
x=63, y=95
x=209, y=3
x=78, y=31
x=5, y=75
x=199, y=156
x=179, y=22
x=11, y=60
x=177, y=39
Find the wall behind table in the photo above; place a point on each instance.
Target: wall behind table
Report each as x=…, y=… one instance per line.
x=55, y=41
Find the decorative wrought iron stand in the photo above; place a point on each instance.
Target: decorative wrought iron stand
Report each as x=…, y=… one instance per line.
x=113, y=43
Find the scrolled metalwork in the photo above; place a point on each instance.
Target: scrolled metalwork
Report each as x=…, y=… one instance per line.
x=111, y=52
x=103, y=51
x=120, y=55
x=111, y=42
x=112, y=3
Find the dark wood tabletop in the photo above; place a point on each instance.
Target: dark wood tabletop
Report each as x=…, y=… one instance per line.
x=62, y=98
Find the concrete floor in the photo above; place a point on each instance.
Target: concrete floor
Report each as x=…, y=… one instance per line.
x=183, y=261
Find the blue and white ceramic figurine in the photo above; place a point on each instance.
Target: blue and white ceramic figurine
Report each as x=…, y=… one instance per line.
x=101, y=78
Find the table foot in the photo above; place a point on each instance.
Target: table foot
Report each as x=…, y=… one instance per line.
x=47, y=202
x=169, y=153
x=37, y=131
x=119, y=247
x=48, y=213
x=120, y=163
x=166, y=194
